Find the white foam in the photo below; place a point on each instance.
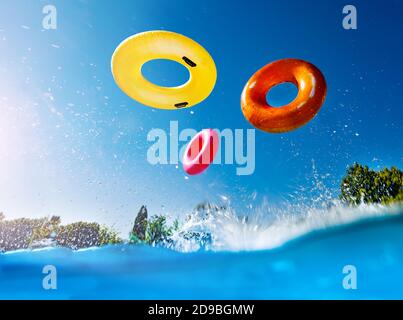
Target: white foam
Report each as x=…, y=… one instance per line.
x=268, y=228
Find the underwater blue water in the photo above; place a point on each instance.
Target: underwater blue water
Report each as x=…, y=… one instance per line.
x=307, y=267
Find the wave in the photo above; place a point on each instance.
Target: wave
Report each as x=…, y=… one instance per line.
x=215, y=228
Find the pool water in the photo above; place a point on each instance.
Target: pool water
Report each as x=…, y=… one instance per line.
x=309, y=266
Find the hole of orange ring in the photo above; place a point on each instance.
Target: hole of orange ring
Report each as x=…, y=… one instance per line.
x=281, y=94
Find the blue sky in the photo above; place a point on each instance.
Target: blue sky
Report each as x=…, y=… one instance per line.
x=71, y=143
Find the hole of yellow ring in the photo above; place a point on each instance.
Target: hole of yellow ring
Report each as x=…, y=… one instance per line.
x=281, y=94
x=165, y=73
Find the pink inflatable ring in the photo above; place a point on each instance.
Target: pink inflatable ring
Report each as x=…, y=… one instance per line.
x=200, y=151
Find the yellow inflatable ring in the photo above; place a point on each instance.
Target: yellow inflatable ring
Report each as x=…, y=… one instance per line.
x=132, y=53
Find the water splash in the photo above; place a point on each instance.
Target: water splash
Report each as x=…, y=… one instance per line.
x=215, y=228
x=267, y=226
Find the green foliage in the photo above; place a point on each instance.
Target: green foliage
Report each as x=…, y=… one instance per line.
x=133, y=239
x=78, y=235
x=29, y=233
x=176, y=225
x=108, y=236
x=362, y=184
x=46, y=229
x=138, y=233
x=157, y=231
x=84, y=234
x=19, y=233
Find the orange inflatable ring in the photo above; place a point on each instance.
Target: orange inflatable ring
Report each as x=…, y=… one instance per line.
x=311, y=94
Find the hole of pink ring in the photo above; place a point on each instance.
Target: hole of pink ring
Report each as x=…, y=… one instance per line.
x=198, y=143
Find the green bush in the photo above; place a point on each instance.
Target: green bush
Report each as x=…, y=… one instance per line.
x=156, y=231
x=46, y=230
x=30, y=233
x=84, y=234
x=108, y=236
x=19, y=233
x=364, y=185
